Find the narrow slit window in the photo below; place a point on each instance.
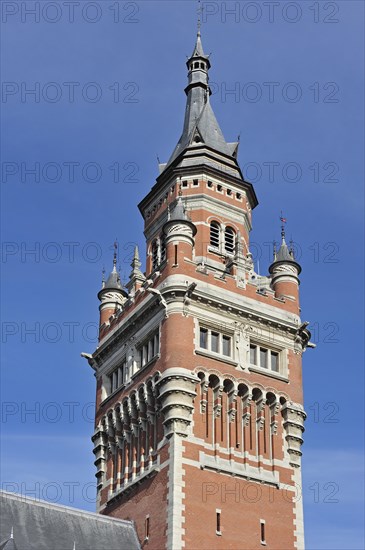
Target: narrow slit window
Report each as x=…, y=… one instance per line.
x=175, y=254
x=147, y=528
x=218, y=518
x=262, y=532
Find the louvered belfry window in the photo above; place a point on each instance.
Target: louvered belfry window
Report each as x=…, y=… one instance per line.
x=214, y=234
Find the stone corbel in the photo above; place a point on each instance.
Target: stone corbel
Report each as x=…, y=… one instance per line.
x=294, y=417
x=176, y=389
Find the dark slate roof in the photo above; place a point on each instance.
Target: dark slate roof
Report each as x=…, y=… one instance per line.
x=113, y=281
x=200, y=123
x=283, y=253
x=39, y=525
x=8, y=544
x=198, y=48
x=179, y=211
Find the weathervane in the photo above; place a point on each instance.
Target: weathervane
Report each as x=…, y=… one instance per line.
x=283, y=222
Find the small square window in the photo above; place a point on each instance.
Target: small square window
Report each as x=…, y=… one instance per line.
x=195, y=183
x=210, y=183
x=219, y=188
x=238, y=196
x=184, y=183
x=229, y=192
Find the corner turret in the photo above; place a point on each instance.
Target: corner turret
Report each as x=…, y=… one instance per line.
x=112, y=296
x=285, y=270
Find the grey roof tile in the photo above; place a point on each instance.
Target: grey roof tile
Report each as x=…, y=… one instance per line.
x=39, y=525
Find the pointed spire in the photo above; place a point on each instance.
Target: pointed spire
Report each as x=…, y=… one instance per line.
x=136, y=278
x=179, y=211
x=200, y=124
x=113, y=282
x=136, y=262
x=198, y=49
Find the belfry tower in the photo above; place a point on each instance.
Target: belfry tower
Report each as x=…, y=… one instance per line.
x=199, y=415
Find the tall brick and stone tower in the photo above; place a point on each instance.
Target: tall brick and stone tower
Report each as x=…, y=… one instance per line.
x=199, y=415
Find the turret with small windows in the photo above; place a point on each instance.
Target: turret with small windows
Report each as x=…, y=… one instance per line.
x=285, y=271
x=112, y=296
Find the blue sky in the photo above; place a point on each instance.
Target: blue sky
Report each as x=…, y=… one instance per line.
x=109, y=98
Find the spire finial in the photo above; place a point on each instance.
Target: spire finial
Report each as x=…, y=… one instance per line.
x=115, y=253
x=12, y=532
x=283, y=222
x=200, y=13
x=103, y=276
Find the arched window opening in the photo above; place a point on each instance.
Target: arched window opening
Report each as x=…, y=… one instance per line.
x=229, y=240
x=155, y=255
x=214, y=234
x=163, y=249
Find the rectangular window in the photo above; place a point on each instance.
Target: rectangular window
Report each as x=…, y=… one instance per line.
x=204, y=338
x=263, y=358
x=147, y=528
x=262, y=532
x=116, y=378
x=218, y=526
x=253, y=354
x=150, y=349
x=274, y=361
x=214, y=342
x=226, y=345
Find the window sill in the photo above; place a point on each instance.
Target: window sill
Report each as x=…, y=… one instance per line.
x=218, y=356
x=146, y=365
x=219, y=252
x=267, y=372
